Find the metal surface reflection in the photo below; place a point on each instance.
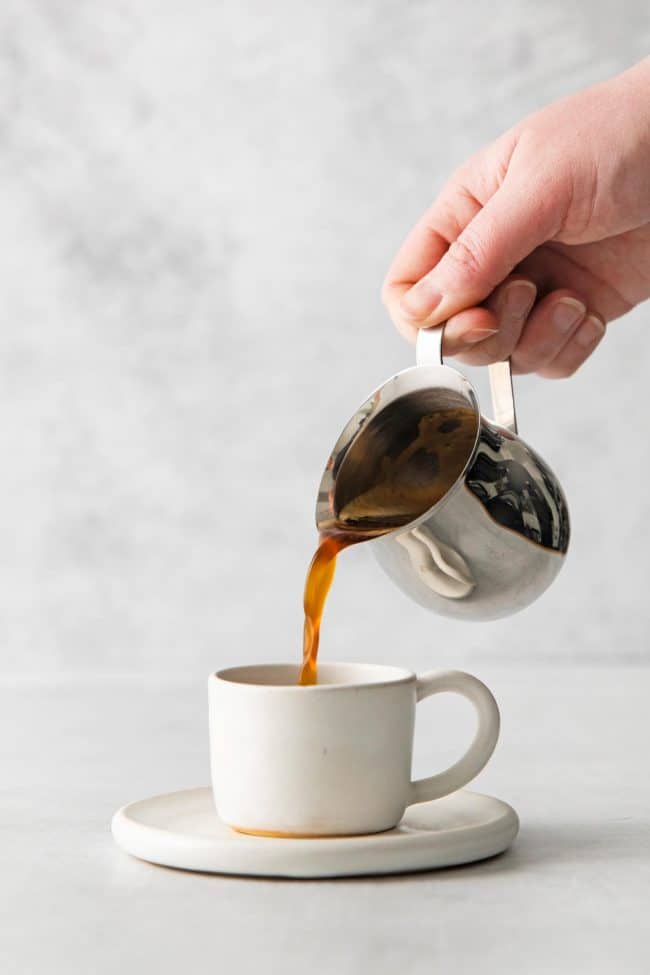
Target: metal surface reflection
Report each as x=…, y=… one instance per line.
x=497, y=538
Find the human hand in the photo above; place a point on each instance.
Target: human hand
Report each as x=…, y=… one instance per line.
x=540, y=239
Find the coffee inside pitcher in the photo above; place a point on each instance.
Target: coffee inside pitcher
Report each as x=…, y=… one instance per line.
x=401, y=464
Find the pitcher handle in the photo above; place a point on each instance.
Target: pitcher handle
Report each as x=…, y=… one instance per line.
x=428, y=352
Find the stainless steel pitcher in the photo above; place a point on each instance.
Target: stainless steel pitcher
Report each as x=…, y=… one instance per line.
x=498, y=537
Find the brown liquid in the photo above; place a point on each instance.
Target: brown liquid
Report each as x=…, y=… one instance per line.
x=390, y=495
x=319, y=580
x=279, y=835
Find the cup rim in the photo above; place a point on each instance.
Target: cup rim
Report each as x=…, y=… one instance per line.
x=401, y=675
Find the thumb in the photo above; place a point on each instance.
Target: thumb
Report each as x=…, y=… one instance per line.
x=513, y=222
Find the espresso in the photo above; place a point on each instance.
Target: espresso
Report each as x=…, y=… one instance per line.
x=385, y=493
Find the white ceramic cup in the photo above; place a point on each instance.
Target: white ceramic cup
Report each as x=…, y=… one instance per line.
x=334, y=758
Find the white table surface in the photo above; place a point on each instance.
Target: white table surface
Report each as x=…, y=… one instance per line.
x=571, y=896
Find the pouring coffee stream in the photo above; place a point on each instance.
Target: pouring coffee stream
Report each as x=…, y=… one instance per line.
x=463, y=515
x=412, y=476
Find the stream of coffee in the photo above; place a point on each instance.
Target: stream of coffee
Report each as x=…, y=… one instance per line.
x=395, y=492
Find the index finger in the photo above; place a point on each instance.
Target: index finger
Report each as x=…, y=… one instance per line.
x=424, y=246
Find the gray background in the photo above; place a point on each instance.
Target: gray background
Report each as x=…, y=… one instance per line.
x=198, y=203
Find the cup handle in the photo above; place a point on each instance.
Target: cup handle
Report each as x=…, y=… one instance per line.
x=485, y=739
x=428, y=352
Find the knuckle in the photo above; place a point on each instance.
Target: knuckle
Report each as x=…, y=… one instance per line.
x=467, y=254
x=448, y=213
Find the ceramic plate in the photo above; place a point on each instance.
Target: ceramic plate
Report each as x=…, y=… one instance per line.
x=182, y=829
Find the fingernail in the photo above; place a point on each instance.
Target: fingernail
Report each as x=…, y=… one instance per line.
x=518, y=298
x=421, y=300
x=590, y=332
x=567, y=313
x=478, y=335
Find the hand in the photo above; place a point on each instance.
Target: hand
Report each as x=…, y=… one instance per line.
x=540, y=239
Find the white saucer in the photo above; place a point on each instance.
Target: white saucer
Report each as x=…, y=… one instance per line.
x=182, y=829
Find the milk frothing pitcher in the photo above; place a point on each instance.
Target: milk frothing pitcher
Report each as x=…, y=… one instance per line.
x=499, y=535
